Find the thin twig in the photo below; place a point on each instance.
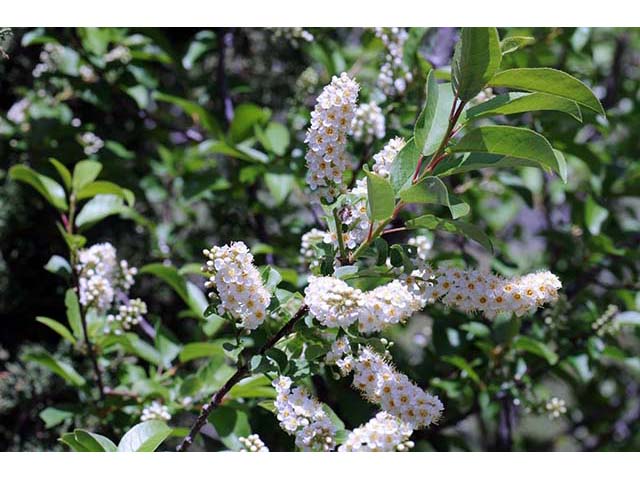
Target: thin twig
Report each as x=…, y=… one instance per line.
x=241, y=372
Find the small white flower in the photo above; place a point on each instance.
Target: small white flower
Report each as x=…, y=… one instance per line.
x=368, y=123
x=556, y=407
x=383, y=433
x=394, y=74
x=252, y=443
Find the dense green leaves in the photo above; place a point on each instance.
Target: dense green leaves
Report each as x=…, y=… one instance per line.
x=512, y=142
x=551, y=81
x=476, y=59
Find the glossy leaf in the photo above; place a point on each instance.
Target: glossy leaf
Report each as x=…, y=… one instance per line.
x=476, y=59
x=60, y=368
x=433, y=190
x=512, y=142
x=84, y=173
x=535, y=347
x=63, y=171
x=404, y=165
x=230, y=424
x=511, y=44
x=514, y=103
x=102, y=187
x=432, y=123
x=144, y=437
x=51, y=190
x=73, y=313
x=551, y=81
x=380, y=197
x=57, y=327
x=99, y=208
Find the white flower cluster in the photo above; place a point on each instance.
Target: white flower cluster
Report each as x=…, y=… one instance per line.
x=394, y=74
x=155, y=411
x=386, y=305
x=368, y=123
x=252, y=443
x=335, y=304
x=88, y=74
x=293, y=34
x=556, y=407
x=237, y=283
x=303, y=416
x=340, y=355
x=332, y=302
x=128, y=315
x=384, y=158
x=423, y=246
x=327, y=136
x=383, y=433
x=489, y=294
x=308, y=254
x=101, y=276
x=91, y=142
x=382, y=384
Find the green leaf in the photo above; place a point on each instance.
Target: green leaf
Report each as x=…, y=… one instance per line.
x=63, y=171
x=381, y=197
x=94, y=442
x=190, y=293
x=197, y=113
x=64, y=370
x=510, y=141
x=535, y=347
x=144, y=437
x=464, y=366
x=279, y=185
x=432, y=222
x=73, y=313
x=476, y=59
x=404, y=165
x=476, y=161
x=135, y=345
x=433, y=190
x=195, y=350
x=57, y=327
x=230, y=424
x=511, y=44
x=51, y=190
x=99, y=208
x=245, y=117
x=594, y=215
x=69, y=439
x=255, y=386
x=275, y=138
x=53, y=416
x=425, y=120
x=84, y=173
x=58, y=265
x=513, y=103
x=548, y=80
x=102, y=187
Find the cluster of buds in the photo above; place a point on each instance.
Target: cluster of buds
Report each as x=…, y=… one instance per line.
x=127, y=316
x=605, y=325
x=252, y=443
